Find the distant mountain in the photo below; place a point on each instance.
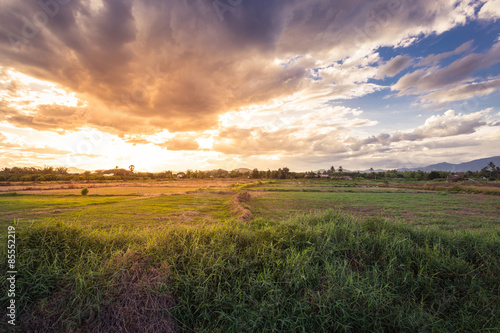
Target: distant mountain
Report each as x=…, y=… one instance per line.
x=243, y=170
x=474, y=165
x=75, y=170
x=374, y=170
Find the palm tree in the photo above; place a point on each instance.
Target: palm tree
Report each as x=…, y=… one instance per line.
x=131, y=168
x=372, y=171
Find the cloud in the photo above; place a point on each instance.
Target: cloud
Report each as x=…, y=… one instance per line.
x=433, y=59
x=437, y=126
x=394, y=66
x=179, y=144
x=20, y=149
x=145, y=66
x=437, y=86
x=265, y=83
x=51, y=117
x=464, y=91
x=310, y=132
x=449, y=124
x=426, y=80
x=490, y=10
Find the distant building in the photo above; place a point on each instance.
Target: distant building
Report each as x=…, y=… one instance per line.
x=342, y=178
x=456, y=176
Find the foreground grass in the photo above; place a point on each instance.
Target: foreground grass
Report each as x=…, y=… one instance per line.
x=316, y=273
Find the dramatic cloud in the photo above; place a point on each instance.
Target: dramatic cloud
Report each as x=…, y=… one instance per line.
x=175, y=65
x=318, y=132
x=260, y=80
x=424, y=80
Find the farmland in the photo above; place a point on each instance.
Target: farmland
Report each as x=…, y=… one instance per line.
x=250, y=256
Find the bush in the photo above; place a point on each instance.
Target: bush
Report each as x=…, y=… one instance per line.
x=85, y=191
x=434, y=175
x=27, y=178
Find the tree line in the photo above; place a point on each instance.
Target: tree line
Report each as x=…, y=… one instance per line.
x=50, y=173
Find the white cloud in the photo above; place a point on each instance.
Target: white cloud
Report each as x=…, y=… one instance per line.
x=490, y=10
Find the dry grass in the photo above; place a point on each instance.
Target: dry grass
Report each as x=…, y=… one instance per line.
x=134, y=303
x=120, y=188
x=137, y=305
x=238, y=209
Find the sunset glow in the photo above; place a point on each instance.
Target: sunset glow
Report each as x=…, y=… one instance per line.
x=176, y=85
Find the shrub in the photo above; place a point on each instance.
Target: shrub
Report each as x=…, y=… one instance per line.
x=85, y=191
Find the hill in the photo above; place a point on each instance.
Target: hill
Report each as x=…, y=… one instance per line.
x=474, y=165
x=243, y=170
x=75, y=170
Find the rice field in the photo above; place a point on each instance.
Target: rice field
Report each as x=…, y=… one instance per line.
x=249, y=256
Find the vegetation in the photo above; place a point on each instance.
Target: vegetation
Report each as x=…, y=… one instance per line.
x=324, y=272
x=47, y=173
x=287, y=255
x=85, y=191
x=436, y=210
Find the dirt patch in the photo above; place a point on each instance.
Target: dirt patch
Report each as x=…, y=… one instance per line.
x=205, y=191
x=238, y=209
x=136, y=305
x=134, y=302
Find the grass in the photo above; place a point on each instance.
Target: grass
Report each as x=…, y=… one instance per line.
x=471, y=212
x=116, y=211
x=321, y=272
x=316, y=261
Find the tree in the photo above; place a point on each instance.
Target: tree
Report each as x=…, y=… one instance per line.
x=332, y=171
x=131, y=168
x=62, y=170
x=255, y=173
x=286, y=173
x=340, y=169
x=434, y=175
x=85, y=191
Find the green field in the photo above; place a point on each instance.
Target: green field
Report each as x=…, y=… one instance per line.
x=436, y=210
x=289, y=256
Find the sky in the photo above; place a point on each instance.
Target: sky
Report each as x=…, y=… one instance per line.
x=204, y=84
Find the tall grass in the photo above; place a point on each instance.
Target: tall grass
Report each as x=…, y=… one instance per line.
x=313, y=273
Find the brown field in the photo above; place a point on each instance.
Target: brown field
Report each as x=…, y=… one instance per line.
x=120, y=188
